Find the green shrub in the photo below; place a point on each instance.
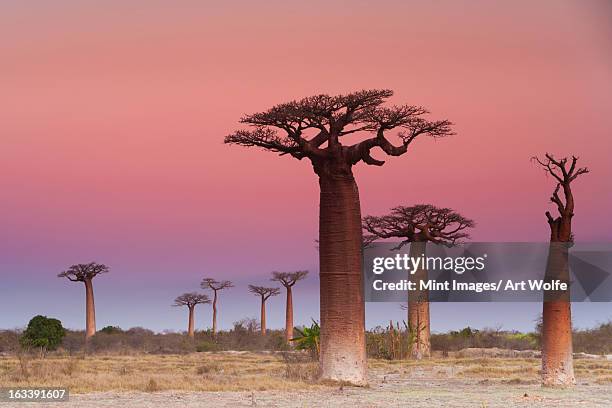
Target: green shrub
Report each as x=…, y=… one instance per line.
x=309, y=338
x=43, y=333
x=111, y=330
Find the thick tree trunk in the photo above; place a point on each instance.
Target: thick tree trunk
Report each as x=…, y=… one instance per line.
x=190, y=330
x=343, y=353
x=263, y=317
x=557, y=359
x=289, y=315
x=214, y=323
x=418, y=309
x=90, y=310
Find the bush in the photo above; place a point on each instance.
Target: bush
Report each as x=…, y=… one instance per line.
x=9, y=341
x=594, y=341
x=44, y=333
x=111, y=330
x=487, y=338
x=308, y=338
x=206, y=346
x=389, y=343
x=381, y=342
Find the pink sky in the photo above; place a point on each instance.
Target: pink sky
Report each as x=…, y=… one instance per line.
x=112, y=116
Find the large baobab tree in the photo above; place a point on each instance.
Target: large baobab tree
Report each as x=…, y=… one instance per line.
x=319, y=128
x=419, y=225
x=557, y=359
x=191, y=300
x=215, y=286
x=86, y=273
x=265, y=294
x=288, y=279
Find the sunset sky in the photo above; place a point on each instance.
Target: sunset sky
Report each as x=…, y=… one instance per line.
x=112, y=117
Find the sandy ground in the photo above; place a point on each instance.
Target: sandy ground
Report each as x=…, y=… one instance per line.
x=418, y=388
x=411, y=395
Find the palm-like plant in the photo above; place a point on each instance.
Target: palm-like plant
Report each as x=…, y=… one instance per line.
x=308, y=339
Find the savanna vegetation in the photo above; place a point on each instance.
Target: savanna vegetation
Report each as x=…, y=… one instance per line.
x=382, y=342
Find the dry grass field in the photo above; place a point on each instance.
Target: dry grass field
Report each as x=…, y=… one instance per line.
x=234, y=371
x=267, y=379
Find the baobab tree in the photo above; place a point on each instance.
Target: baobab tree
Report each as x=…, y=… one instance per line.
x=191, y=300
x=86, y=273
x=316, y=128
x=215, y=286
x=557, y=359
x=288, y=279
x=419, y=225
x=265, y=294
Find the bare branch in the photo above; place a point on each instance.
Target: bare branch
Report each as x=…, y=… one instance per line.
x=564, y=173
x=408, y=118
x=557, y=200
x=267, y=139
x=368, y=240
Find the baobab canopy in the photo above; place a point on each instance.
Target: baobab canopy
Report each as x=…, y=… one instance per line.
x=288, y=279
x=191, y=299
x=312, y=127
x=422, y=222
x=82, y=272
x=264, y=292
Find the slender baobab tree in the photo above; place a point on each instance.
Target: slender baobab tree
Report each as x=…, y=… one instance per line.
x=288, y=279
x=557, y=359
x=191, y=300
x=419, y=225
x=316, y=128
x=86, y=273
x=215, y=286
x=265, y=294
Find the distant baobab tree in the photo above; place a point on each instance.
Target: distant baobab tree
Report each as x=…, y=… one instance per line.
x=557, y=358
x=288, y=279
x=316, y=128
x=265, y=294
x=215, y=286
x=191, y=300
x=419, y=225
x=86, y=273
